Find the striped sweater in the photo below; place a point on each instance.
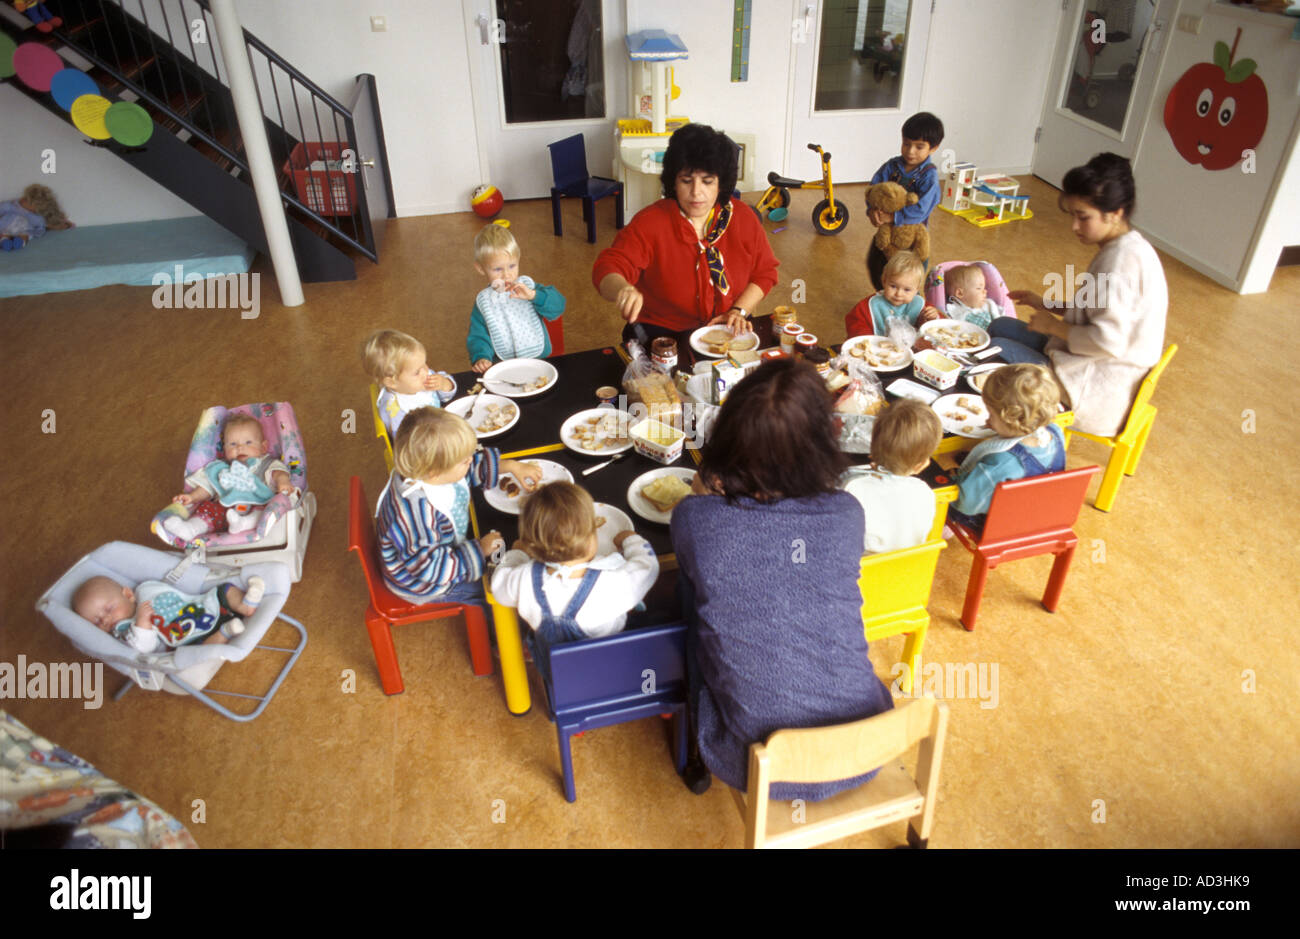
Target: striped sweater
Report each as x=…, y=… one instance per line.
x=417, y=543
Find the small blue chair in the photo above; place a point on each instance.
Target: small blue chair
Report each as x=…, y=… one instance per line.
x=614, y=679
x=569, y=171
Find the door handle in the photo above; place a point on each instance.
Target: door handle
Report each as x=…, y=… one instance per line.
x=483, y=25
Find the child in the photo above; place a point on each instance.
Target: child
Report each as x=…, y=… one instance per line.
x=397, y=363
x=552, y=575
x=898, y=299
x=227, y=494
x=423, y=512
x=506, y=322
x=911, y=169
x=1021, y=401
x=899, y=508
x=968, y=297
x=29, y=216
x=156, y=616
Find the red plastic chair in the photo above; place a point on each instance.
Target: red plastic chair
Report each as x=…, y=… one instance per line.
x=387, y=610
x=1027, y=517
x=555, y=330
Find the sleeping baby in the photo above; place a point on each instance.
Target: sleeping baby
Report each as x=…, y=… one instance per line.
x=228, y=496
x=155, y=616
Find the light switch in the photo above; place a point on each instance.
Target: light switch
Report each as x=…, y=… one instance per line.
x=378, y=24
x=1189, y=24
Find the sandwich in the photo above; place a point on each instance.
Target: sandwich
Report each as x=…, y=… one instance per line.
x=665, y=492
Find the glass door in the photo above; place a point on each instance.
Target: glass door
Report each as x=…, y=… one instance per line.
x=540, y=71
x=1103, y=76
x=858, y=68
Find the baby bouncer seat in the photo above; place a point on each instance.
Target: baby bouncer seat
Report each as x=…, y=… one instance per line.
x=185, y=669
x=281, y=534
x=936, y=294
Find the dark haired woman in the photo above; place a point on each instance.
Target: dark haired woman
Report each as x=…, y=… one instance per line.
x=1104, y=343
x=695, y=257
x=769, y=558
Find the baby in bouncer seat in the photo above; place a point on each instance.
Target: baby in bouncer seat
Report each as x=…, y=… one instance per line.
x=156, y=616
x=229, y=495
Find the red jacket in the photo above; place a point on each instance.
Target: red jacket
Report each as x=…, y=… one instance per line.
x=659, y=253
x=858, y=322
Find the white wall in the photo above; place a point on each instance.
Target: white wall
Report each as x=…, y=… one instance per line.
x=989, y=91
x=93, y=186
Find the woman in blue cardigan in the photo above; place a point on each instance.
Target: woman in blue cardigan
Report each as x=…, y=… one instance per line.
x=769, y=558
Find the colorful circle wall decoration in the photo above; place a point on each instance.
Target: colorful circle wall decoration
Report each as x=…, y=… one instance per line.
x=7, y=48
x=36, y=64
x=70, y=84
x=88, y=114
x=130, y=124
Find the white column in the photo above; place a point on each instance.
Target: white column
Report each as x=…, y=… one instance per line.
x=249, y=114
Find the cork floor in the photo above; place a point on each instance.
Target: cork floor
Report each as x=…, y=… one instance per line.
x=1156, y=709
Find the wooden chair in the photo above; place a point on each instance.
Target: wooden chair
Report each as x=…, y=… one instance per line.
x=380, y=430
x=569, y=171
x=1128, y=444
x=822, y=754
x=1026, y=517
x=387, y=609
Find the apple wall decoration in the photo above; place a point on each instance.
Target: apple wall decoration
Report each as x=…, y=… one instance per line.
x=1217, y=110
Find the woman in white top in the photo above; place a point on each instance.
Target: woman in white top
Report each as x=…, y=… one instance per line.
x=1103, y=342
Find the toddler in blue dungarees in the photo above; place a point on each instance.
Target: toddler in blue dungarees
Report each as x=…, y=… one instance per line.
x=554, y=578
x=1021, y=401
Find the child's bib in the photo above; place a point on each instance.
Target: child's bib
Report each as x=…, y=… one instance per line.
x=516, y=329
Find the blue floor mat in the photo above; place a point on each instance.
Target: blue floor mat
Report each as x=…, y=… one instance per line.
x=132, y=253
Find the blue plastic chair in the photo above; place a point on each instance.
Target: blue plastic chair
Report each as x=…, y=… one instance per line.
x=614, y=679
x=569, y=171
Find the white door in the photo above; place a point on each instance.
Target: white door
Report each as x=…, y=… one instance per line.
x=1101, y=83
x=540, y=71
x=858, y=66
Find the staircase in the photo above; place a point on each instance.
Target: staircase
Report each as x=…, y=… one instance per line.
x=146, y=52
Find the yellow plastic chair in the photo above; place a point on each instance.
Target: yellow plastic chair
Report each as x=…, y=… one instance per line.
x=1128, y=444
x=895, y=589
x=822, y=754
x=380, y=430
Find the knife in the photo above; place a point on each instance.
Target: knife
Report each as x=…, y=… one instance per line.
x=600, y=466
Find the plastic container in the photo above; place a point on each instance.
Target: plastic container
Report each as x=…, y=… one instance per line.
x=935, y=368
x=789, y=333
x=319, y=179
x=657, y=441
x=804, y=342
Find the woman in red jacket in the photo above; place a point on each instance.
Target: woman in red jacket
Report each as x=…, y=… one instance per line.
x=697, y=256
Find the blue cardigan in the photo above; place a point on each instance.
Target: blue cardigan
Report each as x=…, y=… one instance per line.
x=777, y=624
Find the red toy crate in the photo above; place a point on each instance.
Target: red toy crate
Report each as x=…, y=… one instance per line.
x=326, y=190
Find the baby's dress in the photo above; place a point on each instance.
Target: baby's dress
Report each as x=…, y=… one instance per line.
x=178, y=618
x=981, y=317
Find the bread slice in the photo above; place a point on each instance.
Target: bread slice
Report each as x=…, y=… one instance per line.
x=665, y=492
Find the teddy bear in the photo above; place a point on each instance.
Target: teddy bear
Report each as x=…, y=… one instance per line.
x=891, y=238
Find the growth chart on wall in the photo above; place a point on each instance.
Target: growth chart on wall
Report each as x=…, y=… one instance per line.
x=1217, y=112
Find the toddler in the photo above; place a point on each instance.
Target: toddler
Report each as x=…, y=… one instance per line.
x=968, y=297
x=423, y=513
x=911, y=169
x=898, y=299
x=506, y=322
x=552, y=575
x=29, y=216
x=227, y=495
x=397, y=363
x=156, y=616
x=1021, y=401
x=899, y=508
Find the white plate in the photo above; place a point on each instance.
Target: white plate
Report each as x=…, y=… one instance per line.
x=963, y=415
x=460, y=407
x=974, y=337
x=575, y=421
x=746, y=343
x=637, y=502
x=551, y=472
x=519, y=370
x=979, y=374
x=874, y=342
x=616, y=520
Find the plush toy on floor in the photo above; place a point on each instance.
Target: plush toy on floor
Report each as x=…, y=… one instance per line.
x=891, y=238
x=35, y=11
x=29, y=216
